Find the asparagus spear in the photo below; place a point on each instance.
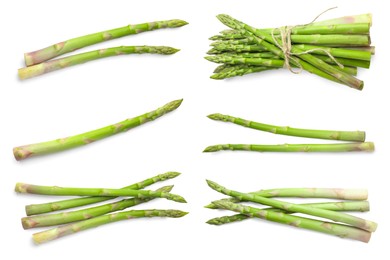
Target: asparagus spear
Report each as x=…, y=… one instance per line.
x=66, y=191
x=325, y=193
x=83, y=214
x=335, y=206
x=60, y=48
x=327, y=214
x=344, y=147
x=318, y=39
x=51, y=234
x=358, y=136
x=35, y=209
x=53, y=65
x=27, y=151
x=300, y=222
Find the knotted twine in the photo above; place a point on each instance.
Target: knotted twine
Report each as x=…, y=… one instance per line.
x=286, y=45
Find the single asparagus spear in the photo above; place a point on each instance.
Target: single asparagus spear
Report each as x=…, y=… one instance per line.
x=66, y=191
x=322, y=213
x=335, y=206
x=300, y=222
x=53, y=65
x=350, y=19
x=344, y=147
x=27, y=151
x=83, y=214
x=358, y=136
x=236, y=48
x=60, y=48
x=51, y=234
x=36, y=209
x=356, y=54
x=324, y=193
x=265, y=39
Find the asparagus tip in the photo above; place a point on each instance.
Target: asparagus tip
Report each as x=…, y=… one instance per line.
x=212, y=148
x=216, y=116
x=177, y=23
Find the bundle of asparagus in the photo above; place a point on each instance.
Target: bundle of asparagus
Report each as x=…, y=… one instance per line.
x=37, y=61
x=357, y=137
x=94, y=216
x=351, y=227
x=332, y=49
x=27, y=151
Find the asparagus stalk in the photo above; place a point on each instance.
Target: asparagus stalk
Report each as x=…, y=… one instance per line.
x=36, y=209
x=318, y=39
x=60, y=48
x=335, y=206
x=27, y=151
x=356, y=54
x=51, y=234
x=344, y=147
x=67, y=191
x=324, y=193
x=236, y=48
x=300, y=222
x=265, y=39
x=83, y=214
x=327, y=214
x=358, y=136
x=53, y=65
x=350, y=19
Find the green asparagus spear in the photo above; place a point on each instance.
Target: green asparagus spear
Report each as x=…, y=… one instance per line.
x=344, y=147
x=300, y=222
x=60, y=48
x=27, y=151
x=53, y=65
x=51, y=234
x=327, y=214
x=83, y=214
x=66, y=191
x=357, y=136
x=335, y=206
x=36, y=209
x=325, y=193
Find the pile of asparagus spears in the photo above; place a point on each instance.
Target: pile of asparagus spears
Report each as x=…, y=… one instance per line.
x=39, y=62
x=332, y=49
x=61, y=144
x=348, y=226
x=78, y=220
x=355, y=139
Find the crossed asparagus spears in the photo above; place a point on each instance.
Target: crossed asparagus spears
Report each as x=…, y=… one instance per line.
x=83, y=219
x=356, y=228
x=332, y=49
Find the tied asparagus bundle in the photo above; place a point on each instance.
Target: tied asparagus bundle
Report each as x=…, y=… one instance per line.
x=27, y=151
x=341, y=224
x=332, y=49
x=38, y=63
x=93, y=216
x=356, y=139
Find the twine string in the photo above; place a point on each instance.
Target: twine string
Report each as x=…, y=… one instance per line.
x=286, y=45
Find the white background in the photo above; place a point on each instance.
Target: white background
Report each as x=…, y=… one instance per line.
x=102, y=92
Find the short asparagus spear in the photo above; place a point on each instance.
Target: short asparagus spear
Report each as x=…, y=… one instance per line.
x=53, y=65
x=36, y=209
x=27, y=151
x=335, y=206
x=357, y=136
x=300, y=222
x=51, y=234
x=325, y=148
x=66, y=191
x=83, y=214
x=325, y=193
x=291, y=207
x=60, y=48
